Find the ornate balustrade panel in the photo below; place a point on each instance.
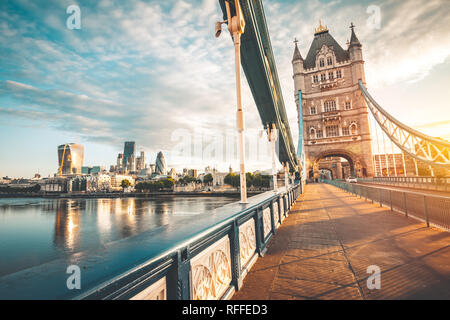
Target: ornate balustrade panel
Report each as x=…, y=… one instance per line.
x=267, y=222
x=276, y=214
x=211, y=271
x=247, y=241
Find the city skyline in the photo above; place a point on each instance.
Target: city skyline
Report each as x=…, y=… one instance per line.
x=61, y=85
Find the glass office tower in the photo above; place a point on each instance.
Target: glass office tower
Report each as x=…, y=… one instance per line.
x=70, y=158
x=129, y=155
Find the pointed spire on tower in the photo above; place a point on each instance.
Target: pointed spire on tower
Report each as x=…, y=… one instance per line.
x=353, y=39
x=297, y=54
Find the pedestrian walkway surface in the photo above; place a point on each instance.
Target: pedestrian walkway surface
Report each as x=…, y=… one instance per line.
x=325, y=246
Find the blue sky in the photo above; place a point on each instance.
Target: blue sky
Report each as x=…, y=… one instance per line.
x=138, y=70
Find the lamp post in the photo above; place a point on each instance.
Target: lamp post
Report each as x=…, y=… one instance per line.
x=286, y=172
x=236, y=26
x=272, y=135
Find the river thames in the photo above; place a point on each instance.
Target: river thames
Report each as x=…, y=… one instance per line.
x=35, y=231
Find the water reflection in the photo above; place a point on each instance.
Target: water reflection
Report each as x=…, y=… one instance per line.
x=67, y=226
x=104, y=223
x=35, y=231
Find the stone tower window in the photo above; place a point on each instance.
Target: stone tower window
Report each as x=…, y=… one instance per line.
x=332, y=131
x=319, y=134
x=353, y=129
x=312, y=133
x=321, y=63
x=348, y=105
x=338, y=74
x=345, y=131
x=330, y=105
x=323, y=77
x=331, y=75
x=329, y=61
x=316, y=78
x=313, y=110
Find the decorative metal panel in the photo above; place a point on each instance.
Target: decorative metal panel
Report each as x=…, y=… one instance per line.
x=276, y=215
x=283, y=216
x=247, y=241
x=211, y=271
x=267, y=221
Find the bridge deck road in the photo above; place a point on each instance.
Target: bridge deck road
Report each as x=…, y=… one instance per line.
x=323, y=250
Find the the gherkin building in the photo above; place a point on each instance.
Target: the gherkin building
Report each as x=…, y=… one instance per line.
x=160, y=167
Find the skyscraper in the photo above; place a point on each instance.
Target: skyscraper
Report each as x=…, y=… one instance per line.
x=129, y=156
x=160, y=165
x=70, y=158
x=140, y=161
x=119, y=166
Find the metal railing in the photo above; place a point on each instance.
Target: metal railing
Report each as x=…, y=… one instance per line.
x=432, y=209
x=210, y=265
x=428, y=183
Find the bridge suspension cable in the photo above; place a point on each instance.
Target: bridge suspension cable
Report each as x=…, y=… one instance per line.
x=378, y=149
x=385, y=154
x=432, y=151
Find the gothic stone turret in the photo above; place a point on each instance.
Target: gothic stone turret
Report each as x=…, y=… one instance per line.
x=335, y=115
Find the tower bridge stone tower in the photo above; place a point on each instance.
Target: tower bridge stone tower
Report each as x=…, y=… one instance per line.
x=335, y=115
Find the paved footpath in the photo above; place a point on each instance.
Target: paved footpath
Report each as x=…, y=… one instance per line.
x=323, y=250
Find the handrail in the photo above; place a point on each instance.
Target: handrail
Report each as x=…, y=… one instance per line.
x=407, y=191
x=430, y=208
x=428, y=183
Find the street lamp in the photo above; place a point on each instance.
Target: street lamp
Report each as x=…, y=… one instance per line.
x=286, y=173
x=236, y=26
x=272, y=135
x=219, y=28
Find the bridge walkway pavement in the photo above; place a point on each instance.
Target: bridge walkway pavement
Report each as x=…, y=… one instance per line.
x=323, y=250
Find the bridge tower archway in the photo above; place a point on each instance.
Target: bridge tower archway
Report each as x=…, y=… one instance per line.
x=356, y=162
x=326, y=173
